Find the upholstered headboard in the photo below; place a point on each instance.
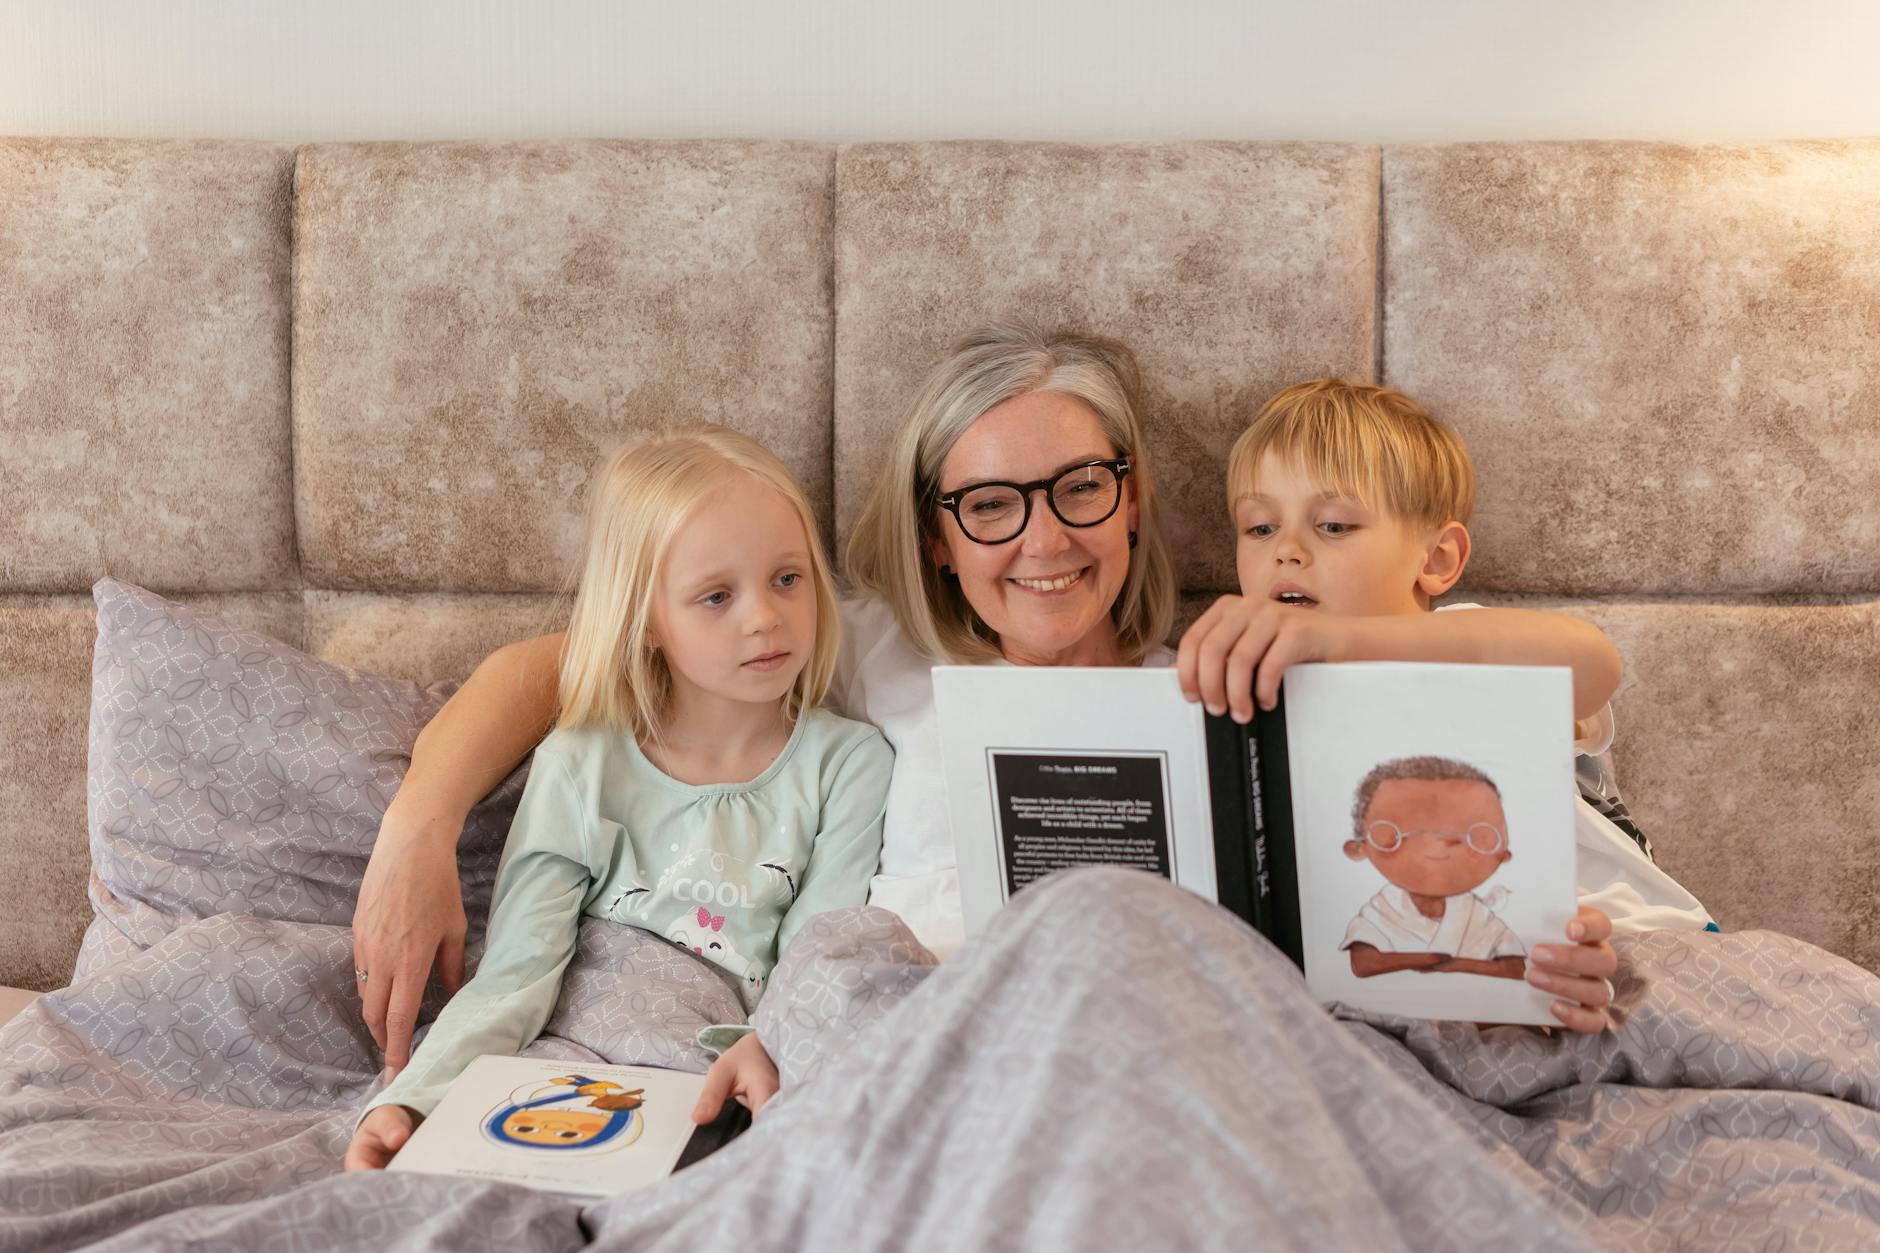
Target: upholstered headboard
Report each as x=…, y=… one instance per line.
x=349, y=394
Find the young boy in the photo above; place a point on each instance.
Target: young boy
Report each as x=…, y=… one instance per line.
x=1351, y=508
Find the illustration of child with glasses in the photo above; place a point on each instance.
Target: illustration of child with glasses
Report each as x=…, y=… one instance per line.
x=1435, y=829
x=691, y=788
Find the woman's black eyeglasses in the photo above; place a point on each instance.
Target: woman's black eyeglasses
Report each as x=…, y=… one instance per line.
x=997, y=513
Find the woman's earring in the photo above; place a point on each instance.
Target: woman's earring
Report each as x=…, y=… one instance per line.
x=1132, y=539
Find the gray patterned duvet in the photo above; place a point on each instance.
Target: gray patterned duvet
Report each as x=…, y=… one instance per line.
x=1116, y=1065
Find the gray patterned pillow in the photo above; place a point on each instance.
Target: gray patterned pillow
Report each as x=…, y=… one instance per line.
x=230, y=773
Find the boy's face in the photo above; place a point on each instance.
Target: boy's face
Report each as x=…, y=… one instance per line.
x=1433, y=857
x=1302, y=544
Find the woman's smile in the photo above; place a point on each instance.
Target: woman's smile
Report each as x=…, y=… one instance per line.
x=1051, y=583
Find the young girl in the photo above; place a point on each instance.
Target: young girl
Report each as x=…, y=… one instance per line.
x=691, y=787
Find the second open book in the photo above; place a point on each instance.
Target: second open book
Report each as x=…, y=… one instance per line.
x=1404, y=832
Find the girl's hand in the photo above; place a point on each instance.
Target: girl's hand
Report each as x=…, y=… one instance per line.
x=381, y=1134
x=410, y=914
x=1236, y=652
x=743, y=1071
x=1580, y=973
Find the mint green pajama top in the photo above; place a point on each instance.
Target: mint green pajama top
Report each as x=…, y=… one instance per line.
x=729, y=871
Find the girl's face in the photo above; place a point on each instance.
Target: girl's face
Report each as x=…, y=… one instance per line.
x=735, y=609
x=1047, y=593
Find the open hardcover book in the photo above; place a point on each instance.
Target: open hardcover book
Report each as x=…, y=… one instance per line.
x=581, y=1127
x=1403, y=831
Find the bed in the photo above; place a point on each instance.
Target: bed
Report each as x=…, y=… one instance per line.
x=305, y=427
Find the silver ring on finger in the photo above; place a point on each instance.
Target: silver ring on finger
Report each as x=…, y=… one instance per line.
x=361, y=975
x=1611, y=992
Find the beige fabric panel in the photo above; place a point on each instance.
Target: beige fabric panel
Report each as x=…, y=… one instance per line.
x=1663, y=357
x=1749, y=752
x=426, y=637
x=45, y=700
x=1233, y=269
x=476, y=324
x=143, y=364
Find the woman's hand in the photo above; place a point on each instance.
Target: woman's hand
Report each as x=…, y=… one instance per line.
x=1236, y=653
x=743, y=1071
x=1579, y=973
x=410, y=914
x=381, y=1134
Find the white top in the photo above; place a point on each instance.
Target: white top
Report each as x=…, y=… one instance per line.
x=1390, y=922
x=881, y=678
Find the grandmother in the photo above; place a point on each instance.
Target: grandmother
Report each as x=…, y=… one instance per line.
x=1014, y=522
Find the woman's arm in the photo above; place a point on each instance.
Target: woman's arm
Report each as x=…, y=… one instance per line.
x=549, y=872
x=500, y=713
x=410, y=911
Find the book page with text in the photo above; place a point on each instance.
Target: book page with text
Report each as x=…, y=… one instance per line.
x=1050, y=767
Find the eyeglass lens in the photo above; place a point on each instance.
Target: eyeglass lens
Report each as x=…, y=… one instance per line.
x=1482, y=837
x=1081, y=496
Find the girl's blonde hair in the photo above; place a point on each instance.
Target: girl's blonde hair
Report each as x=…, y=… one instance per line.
x=1374, y=444
x=611, y=674
x=888, y=551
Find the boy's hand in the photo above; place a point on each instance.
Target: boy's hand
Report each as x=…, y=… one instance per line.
x=1580, y=972
x=1236, y=652
x=381, y=1134
x=745, y=1072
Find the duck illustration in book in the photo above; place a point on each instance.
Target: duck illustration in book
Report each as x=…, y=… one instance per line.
x=572, y=1113
x=1434, y=829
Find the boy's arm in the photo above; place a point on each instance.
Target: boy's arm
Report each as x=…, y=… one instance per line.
x=1236, y=652
x=410, y=910
x=535, y=916
x=1512, y=637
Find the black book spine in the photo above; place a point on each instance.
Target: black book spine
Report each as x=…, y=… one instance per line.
x=1240, y=857
x=1273, y=828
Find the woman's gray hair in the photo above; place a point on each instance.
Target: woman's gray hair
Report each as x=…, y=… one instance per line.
x=888, y=550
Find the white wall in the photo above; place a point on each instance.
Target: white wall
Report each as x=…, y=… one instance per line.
x=1417, y=70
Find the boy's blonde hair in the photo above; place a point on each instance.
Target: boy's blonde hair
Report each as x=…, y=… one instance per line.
x=1371, y=443
x=611, y=675
x=888, y=550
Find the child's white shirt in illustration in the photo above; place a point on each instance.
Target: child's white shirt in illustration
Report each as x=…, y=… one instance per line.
x=1391, y=923
x=729, y=871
